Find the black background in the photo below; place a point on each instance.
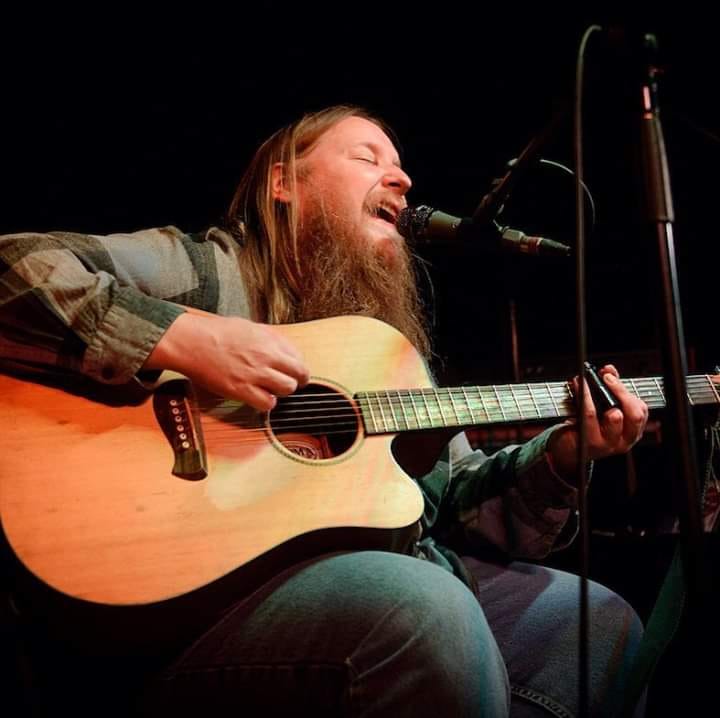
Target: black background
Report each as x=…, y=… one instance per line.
x=123, y=123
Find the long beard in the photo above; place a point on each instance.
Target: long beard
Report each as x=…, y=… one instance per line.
x=342, y=275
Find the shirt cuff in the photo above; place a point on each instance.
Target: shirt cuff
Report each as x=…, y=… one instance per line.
x=129, y=331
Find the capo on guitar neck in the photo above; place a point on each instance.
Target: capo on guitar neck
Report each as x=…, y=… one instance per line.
x=603, y=398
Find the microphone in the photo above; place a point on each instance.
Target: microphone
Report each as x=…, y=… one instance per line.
x=426, y=225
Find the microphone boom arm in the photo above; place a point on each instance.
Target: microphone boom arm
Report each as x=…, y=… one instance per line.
x=492, y=203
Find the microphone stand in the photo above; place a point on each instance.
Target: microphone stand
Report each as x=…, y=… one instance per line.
x=688, y=569
x=681, y=436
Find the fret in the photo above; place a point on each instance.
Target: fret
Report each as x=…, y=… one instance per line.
x=552, y=399
x=714, y=390
x=534, y=405
x=657, y=398
x=465, y=410
x=396, y=424
x=372, y=414
x=644, y=388
x=568, y=407
x=398, y=394
x=439, y=405
x=454, y=408
x=659, y=388
x=486, y=405
x=500, y=406
x=427, y=408
x=469, y=405
x=703, y=389
x=382, y=425
x=407, y=396
x=532, y=397
x=483, y=404
x=411, y=394
x=382, y=413
x=517, y=403
x=634, y=388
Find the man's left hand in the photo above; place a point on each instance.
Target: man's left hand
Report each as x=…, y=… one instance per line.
x=616, y=431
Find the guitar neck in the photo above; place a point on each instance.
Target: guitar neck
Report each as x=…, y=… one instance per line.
x=415, y=409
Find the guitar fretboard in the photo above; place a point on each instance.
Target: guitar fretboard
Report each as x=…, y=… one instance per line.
x=412, y=409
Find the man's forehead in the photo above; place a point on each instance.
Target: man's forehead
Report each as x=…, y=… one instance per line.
x=358, y=131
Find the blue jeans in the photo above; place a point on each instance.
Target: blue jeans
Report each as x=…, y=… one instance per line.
x=381, y=634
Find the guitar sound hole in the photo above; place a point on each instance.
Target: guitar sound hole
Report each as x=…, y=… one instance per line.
x=316, y=422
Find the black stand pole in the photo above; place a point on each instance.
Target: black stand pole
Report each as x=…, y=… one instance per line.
x=686, y=589
x=680, y=434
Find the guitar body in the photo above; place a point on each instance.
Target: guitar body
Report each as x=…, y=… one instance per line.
x=90, y=504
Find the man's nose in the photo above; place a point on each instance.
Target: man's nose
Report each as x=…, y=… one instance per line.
x=397, y=179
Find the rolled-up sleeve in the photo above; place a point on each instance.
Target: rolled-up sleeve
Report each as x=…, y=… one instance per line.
x=512, y=500
x=67, y=302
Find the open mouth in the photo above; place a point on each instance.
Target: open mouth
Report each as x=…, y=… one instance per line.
x=386, y=214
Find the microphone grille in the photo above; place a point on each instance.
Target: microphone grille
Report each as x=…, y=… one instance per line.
x=412, y=221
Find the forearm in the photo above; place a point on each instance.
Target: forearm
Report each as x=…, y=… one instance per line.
x=562, y=452
x=61, y=306
x=179, y=347
x=513, y=500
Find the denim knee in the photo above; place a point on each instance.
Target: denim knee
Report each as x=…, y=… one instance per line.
x=534, y=614
x=429, y=639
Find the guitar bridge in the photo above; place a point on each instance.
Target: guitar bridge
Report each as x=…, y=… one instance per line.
x=177, y=414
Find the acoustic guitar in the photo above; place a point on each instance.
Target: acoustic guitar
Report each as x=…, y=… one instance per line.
x=133, y=495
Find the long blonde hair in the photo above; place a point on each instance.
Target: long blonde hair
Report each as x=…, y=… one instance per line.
x=268, y=228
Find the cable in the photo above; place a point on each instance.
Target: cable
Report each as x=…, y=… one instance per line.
x=581, y=335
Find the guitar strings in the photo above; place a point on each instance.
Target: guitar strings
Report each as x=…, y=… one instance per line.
x=407, y=409
x=308, y=403
x=402, y=397
x=412, y=418
x=409, y=418
x=290, y=411
x=483, y=394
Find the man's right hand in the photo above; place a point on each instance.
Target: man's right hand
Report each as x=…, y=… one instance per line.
x=232, y=357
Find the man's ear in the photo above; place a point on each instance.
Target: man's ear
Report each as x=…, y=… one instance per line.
x=279, y=185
